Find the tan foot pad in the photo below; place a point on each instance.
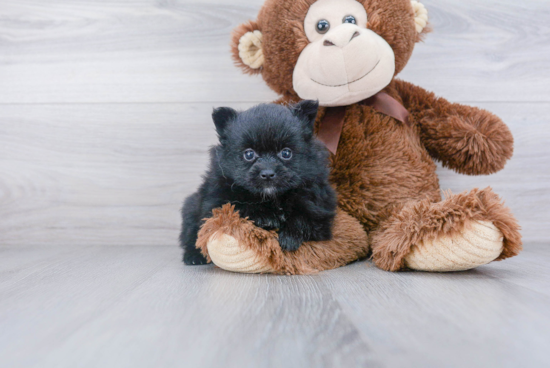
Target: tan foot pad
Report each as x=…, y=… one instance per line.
x=226, y=252
x=480, y=244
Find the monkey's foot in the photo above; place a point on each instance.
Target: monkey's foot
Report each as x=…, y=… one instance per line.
x=461, y=232
x=477, y=245
x=226, y=252
x=236, y=244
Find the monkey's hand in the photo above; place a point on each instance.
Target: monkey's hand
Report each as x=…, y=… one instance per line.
x=466, y=139
x=469, y=140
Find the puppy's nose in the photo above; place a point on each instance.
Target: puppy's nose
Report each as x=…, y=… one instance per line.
x=267, y=174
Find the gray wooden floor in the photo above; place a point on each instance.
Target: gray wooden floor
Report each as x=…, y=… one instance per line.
x=104, y=127
x=119, y=306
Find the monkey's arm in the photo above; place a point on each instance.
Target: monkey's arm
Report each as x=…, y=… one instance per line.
x=466, y=139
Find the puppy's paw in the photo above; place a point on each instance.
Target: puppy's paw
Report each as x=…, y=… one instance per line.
x=289, y=243
x=194, y=258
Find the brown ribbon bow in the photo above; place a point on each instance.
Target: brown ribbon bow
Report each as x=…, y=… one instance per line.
x=330, y=127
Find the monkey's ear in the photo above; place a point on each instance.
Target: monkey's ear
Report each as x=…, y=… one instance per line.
x=222, y=116
x=420, y=19
x=246, y=47
x=306, y=111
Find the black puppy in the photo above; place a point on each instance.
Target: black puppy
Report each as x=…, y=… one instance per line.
x=269, y=165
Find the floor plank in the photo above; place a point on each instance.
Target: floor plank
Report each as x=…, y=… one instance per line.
x=139, y=306
x=177, y=51
x=465, y=319
x=530, y=270
x=71, y=288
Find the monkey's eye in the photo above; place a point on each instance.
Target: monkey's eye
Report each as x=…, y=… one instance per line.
x=322, y=26
x=286, y=154
x=249, y=155
x=349, y=19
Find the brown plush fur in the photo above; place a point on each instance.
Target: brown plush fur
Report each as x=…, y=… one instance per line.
x=425, y=220
x=384, y=171
x=349, y=243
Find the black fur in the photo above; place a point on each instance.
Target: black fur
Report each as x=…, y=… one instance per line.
x=292, y=196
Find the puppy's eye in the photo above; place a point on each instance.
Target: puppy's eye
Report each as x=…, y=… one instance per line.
x=349, y=19
x=249, y=155
x=322, y=26
x=286, y=154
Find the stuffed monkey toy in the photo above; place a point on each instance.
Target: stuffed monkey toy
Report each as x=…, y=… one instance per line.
x=384, y=135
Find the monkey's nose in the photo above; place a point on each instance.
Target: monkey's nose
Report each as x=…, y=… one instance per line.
x=267, y=174
x=341, y=36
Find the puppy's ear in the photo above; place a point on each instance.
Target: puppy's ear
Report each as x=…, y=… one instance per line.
x=306, y=111
x=222, y=116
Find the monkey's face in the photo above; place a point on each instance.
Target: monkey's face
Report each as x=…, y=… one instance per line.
x=336, y=51
x=344, y=62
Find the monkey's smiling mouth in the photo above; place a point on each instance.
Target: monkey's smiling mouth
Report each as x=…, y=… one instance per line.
x=353, y=81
